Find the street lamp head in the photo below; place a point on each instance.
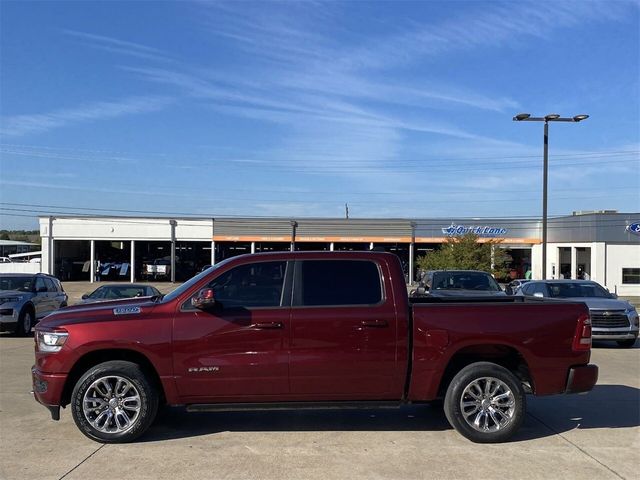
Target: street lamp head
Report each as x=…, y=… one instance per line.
x=521, y=116
x=552, y=116
x=579, y=118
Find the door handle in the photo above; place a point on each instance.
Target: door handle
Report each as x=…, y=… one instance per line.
x=374, y=323
x=267, y=325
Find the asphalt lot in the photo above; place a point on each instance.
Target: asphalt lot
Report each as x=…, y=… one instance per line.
x=580, y=436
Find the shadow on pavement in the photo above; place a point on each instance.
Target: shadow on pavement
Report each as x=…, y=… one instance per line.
x=607, y=406
x=176, y=423
x=611, y=345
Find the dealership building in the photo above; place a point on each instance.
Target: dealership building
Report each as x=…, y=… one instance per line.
x=604, y=245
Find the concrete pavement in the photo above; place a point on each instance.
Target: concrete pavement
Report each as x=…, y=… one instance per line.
x=595, y=436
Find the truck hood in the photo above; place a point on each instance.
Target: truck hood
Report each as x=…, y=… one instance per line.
x=99, y=312
x=602, y=303
x=465, y=293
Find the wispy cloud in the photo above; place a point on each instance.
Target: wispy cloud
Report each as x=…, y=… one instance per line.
x=19, y=125
x=115, y=45
x=275, y=101
x=293, y=32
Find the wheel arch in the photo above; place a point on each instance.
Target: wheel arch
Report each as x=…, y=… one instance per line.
x=96, y=357
x=499, y=354
x=29, y=306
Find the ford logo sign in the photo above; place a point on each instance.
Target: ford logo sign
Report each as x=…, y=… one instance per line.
x=634, y=228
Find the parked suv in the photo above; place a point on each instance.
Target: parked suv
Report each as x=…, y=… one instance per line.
x=611, y=318
x=27, y=298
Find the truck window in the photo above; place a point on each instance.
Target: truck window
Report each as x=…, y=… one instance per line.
x=338, y=282
x=251, y=285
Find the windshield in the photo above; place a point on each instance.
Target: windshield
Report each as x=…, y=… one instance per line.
x=21, y=284
x=99, y=293
x=569, y=290
x=479, y=281
x=115, y=292
x=190, y=283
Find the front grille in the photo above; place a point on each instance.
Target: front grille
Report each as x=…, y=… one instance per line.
x=609, y=319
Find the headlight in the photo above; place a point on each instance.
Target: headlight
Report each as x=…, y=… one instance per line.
x=51, y=341
x=10, y=300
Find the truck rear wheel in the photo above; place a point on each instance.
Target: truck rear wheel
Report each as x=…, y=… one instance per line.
x=114, y=402
x=485, y=403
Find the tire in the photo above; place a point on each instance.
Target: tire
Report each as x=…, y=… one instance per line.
x=26, y=320
x=627, y=343
x=123, y=406
x=491, y=416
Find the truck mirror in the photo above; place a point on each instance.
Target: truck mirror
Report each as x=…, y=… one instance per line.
x=204, y=300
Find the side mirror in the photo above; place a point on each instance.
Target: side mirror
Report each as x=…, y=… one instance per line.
x=204, y=300
x=614, y=295
x=85, y=296
x=508, y=289
x=538, y=294
x=421, y=291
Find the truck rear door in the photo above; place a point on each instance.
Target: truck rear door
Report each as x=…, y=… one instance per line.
x=344, y=340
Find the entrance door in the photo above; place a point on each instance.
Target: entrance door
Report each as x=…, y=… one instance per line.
x=236, y=351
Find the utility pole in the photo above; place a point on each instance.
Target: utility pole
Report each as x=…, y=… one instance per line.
x=346, y=211
x=552, y=117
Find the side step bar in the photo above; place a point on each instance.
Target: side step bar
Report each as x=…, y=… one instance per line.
x=244, y=407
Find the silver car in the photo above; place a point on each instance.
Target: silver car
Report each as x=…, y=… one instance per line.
x=27, y=298
x=611, y=318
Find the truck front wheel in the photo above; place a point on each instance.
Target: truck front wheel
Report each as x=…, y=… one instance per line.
x=485, y=403
x=114, y=402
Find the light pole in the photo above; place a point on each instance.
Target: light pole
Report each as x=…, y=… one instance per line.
x=552, y=117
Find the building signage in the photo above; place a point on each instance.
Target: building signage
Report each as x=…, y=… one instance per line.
x=634, y=228
x=480, y=230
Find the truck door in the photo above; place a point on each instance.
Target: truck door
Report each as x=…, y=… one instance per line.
x=343, y=332
x=236, y=351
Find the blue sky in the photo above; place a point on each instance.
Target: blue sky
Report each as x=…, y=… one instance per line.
x=400, y=109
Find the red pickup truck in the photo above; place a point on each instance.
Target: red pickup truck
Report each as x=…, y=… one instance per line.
x=308, y=330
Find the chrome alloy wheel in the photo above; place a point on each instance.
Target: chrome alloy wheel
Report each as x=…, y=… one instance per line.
x=487, y=404
x=111, y=404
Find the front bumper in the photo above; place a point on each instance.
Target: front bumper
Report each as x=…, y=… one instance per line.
x=47, y=390
x=582, y=378
x=8, y=321
x=614, y=334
